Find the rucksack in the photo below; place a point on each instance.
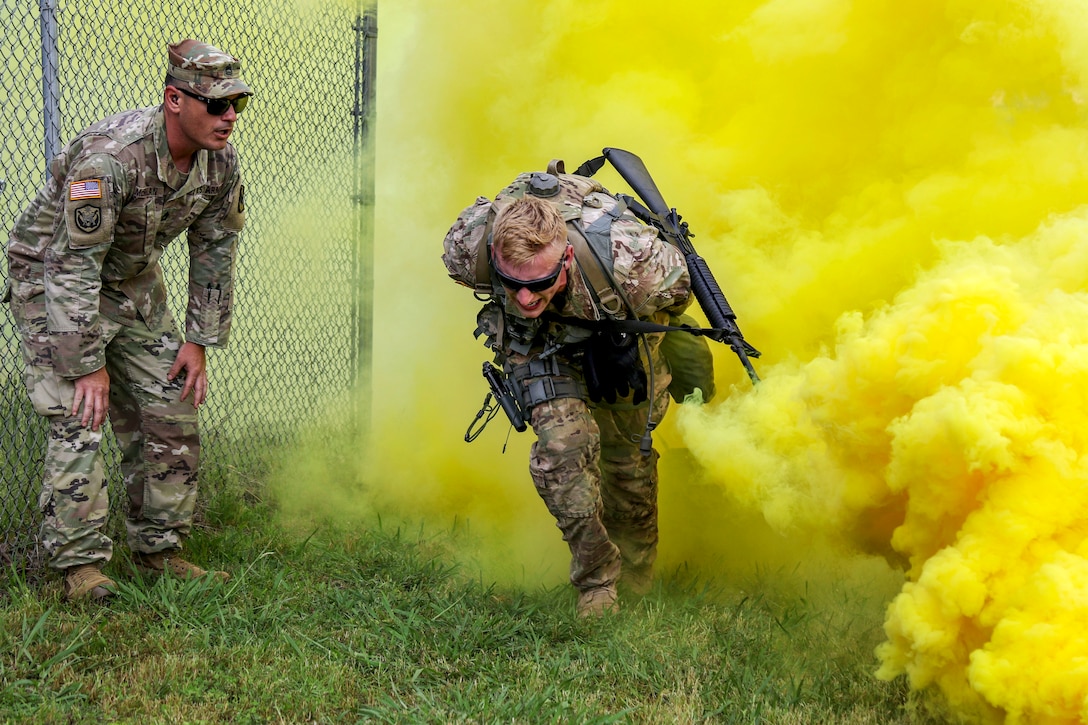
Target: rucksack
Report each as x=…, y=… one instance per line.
x=688, y=355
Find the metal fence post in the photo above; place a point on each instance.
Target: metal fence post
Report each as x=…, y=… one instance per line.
x=50, y=81
x=366, y=34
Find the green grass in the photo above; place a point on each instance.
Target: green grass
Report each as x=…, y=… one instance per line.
x=376, y=625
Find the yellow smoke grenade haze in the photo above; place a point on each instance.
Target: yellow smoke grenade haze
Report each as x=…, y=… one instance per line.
x=891, y=197
x=950, y=426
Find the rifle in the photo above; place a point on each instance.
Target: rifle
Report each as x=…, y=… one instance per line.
x=500, y=391
x=667, y=221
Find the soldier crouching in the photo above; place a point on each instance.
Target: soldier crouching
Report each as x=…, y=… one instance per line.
x=584, y=389
x=97, y=337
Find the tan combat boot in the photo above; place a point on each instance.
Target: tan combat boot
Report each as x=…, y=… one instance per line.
x=87, y=580
x=597, y=601
x=160, y=562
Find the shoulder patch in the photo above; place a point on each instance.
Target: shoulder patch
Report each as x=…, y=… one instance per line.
x=85, y=189
x=89, y=213
x=88, y=218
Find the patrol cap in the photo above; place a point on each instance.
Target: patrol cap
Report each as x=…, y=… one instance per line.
x=205, y=70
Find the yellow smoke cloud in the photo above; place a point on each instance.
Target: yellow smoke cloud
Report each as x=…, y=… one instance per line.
x=948, y=428
x=891, y=195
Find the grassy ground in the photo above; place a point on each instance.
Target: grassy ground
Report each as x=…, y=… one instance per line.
x=377, y=626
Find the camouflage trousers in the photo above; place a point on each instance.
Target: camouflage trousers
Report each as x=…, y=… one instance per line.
x=588, y=469
x=155, y=430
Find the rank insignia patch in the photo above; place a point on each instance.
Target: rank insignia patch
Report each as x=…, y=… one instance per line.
x=88, y=218
x=85, y=189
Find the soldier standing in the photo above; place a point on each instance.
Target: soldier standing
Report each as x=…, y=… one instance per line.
x=87, y=294
x=584, y=394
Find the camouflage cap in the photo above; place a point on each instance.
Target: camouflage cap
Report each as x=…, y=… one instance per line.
x=205, y=70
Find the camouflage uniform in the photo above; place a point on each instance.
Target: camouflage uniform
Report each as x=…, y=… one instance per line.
x=586, y=463
x=87, y=292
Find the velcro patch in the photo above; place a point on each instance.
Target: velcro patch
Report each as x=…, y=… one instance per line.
x=236, y=216
x=85, y=189
x=89, y=214
x=88, y=218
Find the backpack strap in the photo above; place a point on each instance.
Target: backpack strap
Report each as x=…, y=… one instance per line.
x=484, y=288
x=593, y=250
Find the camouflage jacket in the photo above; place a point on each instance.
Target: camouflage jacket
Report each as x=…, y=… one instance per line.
x=92, y=237
x=650, y=272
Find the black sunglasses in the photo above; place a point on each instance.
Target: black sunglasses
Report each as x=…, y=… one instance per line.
x=533, y=285
x=219, y=106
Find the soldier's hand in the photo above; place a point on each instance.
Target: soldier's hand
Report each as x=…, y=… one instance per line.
x=93, y=394
x=191, y=359
x=613, y=369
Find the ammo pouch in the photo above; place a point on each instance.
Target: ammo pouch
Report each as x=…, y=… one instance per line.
x=540, y=380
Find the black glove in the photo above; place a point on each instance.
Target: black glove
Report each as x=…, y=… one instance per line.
x=613, y=368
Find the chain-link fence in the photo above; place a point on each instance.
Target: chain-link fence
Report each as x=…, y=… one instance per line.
x=301, y=328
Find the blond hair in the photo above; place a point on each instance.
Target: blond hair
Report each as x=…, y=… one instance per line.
x=526, y=228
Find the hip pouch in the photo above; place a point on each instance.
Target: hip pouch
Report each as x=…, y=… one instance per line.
x=540, y=380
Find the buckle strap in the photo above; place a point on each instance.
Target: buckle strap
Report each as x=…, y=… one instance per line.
x=538, y=367
x=539, y=380
x=540, y=390
x=597, y=279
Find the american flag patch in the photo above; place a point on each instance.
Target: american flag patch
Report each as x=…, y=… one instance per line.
x=86, y=189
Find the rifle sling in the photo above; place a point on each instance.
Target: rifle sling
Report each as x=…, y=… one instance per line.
x=628, y=325
x=590, y=167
